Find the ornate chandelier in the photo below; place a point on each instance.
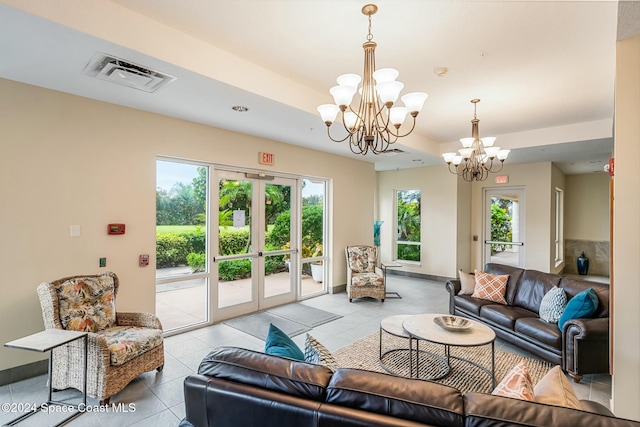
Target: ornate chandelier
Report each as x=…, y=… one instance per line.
x=477, y=153
x=375, y=122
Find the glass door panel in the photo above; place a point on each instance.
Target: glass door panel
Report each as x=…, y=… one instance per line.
x=278, y=254
x=236, y=256
x=182, y=270
x=313, y=220
x=504, y=226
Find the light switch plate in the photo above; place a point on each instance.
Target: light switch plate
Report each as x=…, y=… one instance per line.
x=74, y=231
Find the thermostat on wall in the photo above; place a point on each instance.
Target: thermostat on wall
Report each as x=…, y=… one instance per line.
x=115, y=229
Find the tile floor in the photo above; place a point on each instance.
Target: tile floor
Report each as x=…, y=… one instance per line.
x=157, y=398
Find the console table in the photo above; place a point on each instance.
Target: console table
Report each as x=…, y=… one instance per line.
x=46, y=341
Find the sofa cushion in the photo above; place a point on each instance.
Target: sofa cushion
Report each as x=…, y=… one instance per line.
x=471, y=305
x=516, y=384
x=367, y=279
x=574, y=286
x=582, y=305
x=403, y=398
x=539, y=330
x=555, y=389
x=316, y=353
x=553, y=304
x=87, y=303
x=467, y=283
x=504, y=315
x=279, y=344
x=127, y=342
x=264, y=371
x=532, y=288
x=514, y=274
x=490, y=287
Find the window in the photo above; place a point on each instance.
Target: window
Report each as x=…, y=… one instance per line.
x=559, y=227
x=408, y=225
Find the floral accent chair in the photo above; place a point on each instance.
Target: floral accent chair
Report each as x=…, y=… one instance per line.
x=121, y=345
x=364, y=277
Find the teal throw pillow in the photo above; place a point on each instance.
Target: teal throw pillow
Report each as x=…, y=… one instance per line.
x=279, y=344
x=580, y=306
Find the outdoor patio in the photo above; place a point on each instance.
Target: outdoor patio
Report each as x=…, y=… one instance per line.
x=184, y=303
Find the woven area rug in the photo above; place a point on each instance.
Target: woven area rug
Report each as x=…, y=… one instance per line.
x=364, y=354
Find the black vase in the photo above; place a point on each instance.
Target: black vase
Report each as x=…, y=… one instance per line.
x=583, y=264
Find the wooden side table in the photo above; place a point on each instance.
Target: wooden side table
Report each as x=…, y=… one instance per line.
x=46, y=341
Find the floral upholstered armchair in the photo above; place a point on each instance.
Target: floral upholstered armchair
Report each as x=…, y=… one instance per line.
x=364, y=277
x=121, y=345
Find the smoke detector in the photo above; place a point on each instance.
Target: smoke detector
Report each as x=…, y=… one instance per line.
x=117, y=70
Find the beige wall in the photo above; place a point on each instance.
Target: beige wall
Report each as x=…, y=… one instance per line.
x=626, y=236
x=439, y=222
x=587, y=207
x=68, y=160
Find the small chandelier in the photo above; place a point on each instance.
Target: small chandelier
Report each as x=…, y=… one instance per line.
x=375, y=122
x=478, y=154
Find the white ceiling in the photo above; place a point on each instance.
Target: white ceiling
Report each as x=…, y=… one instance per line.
x=544, y=70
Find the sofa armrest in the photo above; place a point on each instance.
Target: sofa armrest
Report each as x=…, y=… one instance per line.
x=195, y=398
x=596, y=408
x=143, y=320
x=585, y=346
x=453, y=286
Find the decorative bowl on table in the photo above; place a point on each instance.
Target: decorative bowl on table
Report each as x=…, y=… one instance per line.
x=453, y=323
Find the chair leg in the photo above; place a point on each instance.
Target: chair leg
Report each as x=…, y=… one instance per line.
x=160, y=368
x=350, y=300
x=105, y=402
x=382, y=299
x=576, y=377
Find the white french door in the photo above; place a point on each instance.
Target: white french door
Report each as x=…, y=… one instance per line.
x=250, y=274
x=504, y=226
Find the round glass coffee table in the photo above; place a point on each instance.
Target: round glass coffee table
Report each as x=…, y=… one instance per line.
x=421, y=327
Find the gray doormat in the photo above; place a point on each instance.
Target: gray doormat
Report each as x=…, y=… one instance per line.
x=257, y=325
x=303, y=314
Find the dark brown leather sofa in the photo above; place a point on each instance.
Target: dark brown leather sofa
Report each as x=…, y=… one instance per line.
x=238, y=387
x=582, y=347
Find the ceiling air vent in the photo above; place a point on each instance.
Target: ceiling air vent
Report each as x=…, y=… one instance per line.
x=393, y=152
x=116, y=70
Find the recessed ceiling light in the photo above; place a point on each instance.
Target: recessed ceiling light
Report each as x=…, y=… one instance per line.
x=440, y=71
x=239, y=108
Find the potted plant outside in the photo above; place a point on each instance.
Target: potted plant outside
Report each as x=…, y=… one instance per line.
x=317, y=269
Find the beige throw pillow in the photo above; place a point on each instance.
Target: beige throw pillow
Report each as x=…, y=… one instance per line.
x=490, y=287
x=467, y=283
x=555, y=389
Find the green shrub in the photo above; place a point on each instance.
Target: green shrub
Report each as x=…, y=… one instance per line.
x=197, y=240
x=197, y=262
x=311, y=227
x=233, y=242
x=171, y=250
x=234, y=269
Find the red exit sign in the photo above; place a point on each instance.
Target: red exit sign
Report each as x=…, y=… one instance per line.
x=265, y=158
x=502, y=179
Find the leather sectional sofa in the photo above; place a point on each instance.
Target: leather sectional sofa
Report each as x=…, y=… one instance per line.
x=581, y=347
x=238, y=387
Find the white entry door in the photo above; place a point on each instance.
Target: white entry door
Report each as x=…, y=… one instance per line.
x=504, y=226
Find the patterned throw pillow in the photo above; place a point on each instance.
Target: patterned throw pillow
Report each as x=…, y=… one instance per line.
x=316, y=353
x=552, y=305
x=517, y=384
x=87, y=303
x=490, y=287
x=467, y=283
